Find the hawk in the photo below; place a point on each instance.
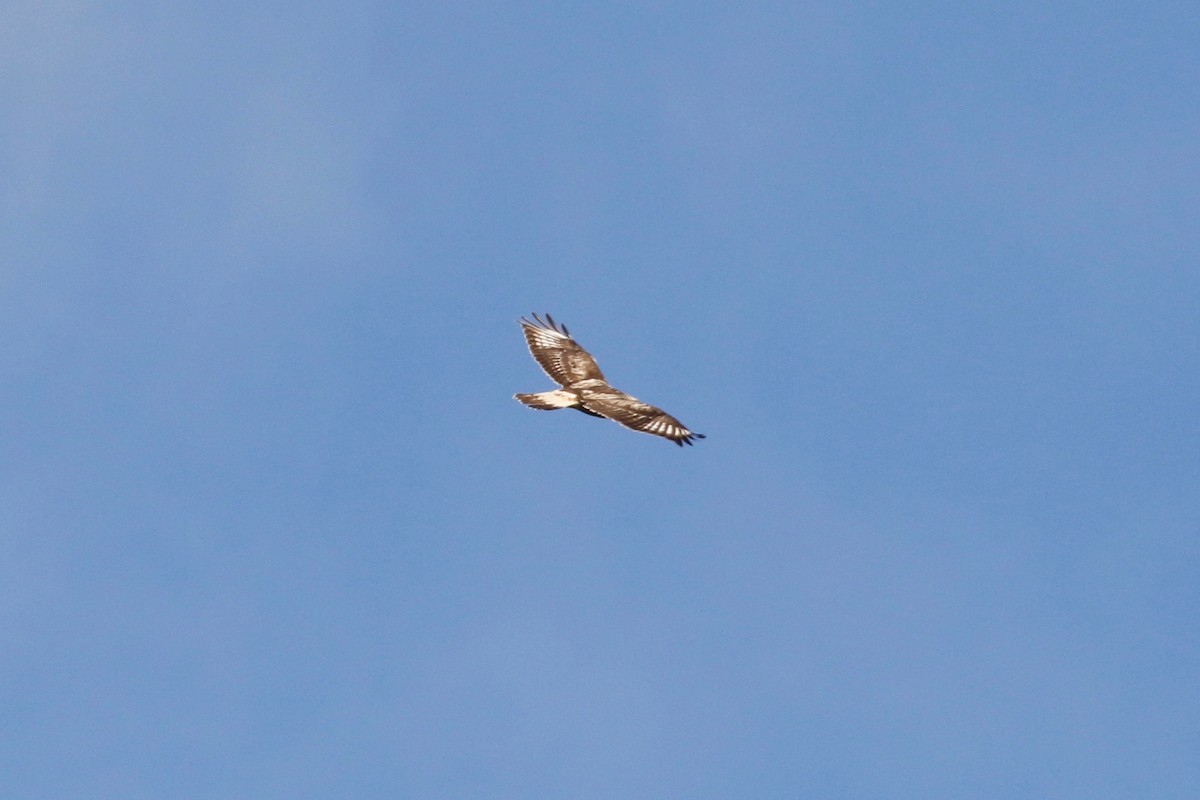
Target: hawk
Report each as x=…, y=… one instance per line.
x=584, y=387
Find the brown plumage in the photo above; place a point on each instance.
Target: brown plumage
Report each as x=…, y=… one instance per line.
x=584, y=387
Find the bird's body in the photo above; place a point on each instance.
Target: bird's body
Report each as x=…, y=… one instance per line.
x=584, y=387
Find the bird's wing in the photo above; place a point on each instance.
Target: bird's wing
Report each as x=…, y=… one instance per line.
x=558, y=354
x=633, y=413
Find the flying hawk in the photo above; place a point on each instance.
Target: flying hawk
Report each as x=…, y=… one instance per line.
x=584, y=387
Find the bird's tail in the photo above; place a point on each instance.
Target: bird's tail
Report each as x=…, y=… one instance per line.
x=548, y=401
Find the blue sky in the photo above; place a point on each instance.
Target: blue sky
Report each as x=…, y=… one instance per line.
x=925, y=274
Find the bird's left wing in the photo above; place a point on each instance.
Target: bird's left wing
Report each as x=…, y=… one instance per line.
x=633, y=413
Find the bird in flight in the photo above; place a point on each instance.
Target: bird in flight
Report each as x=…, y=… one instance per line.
x=584, y=387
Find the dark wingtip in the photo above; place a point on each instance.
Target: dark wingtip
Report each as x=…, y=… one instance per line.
x=558, y=326
x=549, y=323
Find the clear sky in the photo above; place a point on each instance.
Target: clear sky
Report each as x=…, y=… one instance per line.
x=926, y=274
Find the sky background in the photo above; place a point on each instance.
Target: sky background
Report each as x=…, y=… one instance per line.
x=926, y=274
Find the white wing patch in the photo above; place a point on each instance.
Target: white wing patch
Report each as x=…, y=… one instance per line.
x=547, y=337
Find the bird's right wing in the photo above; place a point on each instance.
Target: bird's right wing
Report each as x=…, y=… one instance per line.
x=558, y=354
